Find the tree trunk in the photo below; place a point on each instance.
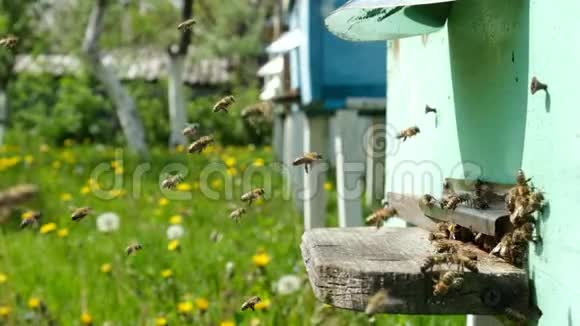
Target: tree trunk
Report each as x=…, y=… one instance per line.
x=3, y=114
x=177, y=116
x=124, y=103
x=176, y=60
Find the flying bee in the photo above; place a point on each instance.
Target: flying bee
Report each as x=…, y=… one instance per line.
x=447, y=281
x=251, y=303
x=439, y=235
x=252, y=195
x=428, y=201
x=30, y=218
x=381, y=215
x=379, y=300
x=172, y=181
x=133, y=248
x=187, y=24
x=408, y=133
x=200, y=144
x=80, y=213
x=9, y=42
x=433, y=260
x=224, y=104
x=190, y=130
x=256, y=110
x=307, y=159
x=237, y=214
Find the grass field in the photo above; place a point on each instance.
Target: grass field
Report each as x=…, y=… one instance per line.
x=71, y=273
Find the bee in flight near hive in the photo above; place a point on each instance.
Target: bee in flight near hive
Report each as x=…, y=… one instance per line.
x=237, y=214
x=172, y=181
x=81, y=213
x=379, y=217
x=187, y=24
x=379, y=300
x=428, y=201
x=251, y=303
x=133, y=248
x=224, y=104
x=9, y=41
x=307, y=159
x=200, y=144
x=30, y=218
x=408, y=133
x=250, y=196
x=190, y=130
x=447, y=281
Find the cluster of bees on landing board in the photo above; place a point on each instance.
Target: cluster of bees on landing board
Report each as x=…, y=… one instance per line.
x=251, y=113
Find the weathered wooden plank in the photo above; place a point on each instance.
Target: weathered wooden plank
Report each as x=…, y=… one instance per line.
x=348, y=265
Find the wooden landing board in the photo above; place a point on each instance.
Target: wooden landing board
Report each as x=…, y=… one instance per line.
x=348, y=265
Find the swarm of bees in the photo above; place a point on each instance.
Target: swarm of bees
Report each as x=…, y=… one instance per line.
x=9, y=42
x=307, y=160
x=171, y=182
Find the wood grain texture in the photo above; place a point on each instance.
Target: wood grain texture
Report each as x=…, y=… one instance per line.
x=348, y=265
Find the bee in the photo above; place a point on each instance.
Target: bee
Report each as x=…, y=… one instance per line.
x=187, y=24
x=464, y=261
x=381, y=215
x=379, y=300
x=451, y=201
x=515, y=316
x=191, y=130
x=439, y=235
x=256, y=110
x=250, y=196
x=307, y=159
x=30, y=218
x=536, y=202
x=224, y=104
x=409, y=132
x=133, y=248
x=428, y=201
x=80, y=213
x=200, y=144
x=443, y=246
x=433, y=260
x=521, y=179
x=9, y=42
x=447, y=281
x=237, y=214
x=251, y=303
x=524, y=233
x=172, y=181
x=485, y=241
x=453, y=229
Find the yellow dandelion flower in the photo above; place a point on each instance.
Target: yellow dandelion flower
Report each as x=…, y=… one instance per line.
x=261, y=259
x=263, y=305
x=63, y=233
x=44, y=148
x=85, y=190
x=328, y=186
x=48, y=228
x=163, y=201
x=174, y=245
x=184, y=187
x=3, y=278
x=230, y=162
x=5, y=311
x=65, y=197
x=68, y=142
x=68, y=157
x=227, y=323
x=232, y=172
x=106, y=268
x=161, y=321
x=167, y=273
x=29, y=159
x=217, y=184
x=210, y=149
x=180, y=148
x=86, y=318
x=56, y=165
x=202, y=304
x=185, y=307
x=27, y=215
x=259, y=162
x=176, y=219
x=34, y=303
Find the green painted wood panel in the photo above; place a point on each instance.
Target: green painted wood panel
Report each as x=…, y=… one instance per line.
x=476, y=72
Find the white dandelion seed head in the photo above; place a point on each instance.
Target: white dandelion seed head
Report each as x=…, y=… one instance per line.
x=175, y=232
x=108, y=222
x=230, y=268
x=288, y=284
